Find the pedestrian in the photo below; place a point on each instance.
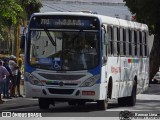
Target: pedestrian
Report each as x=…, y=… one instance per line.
x=13, y=67
x=3, y=74
x=18, y=82
x=7, y=81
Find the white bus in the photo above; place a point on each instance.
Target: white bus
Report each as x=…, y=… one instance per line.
x=81, y=57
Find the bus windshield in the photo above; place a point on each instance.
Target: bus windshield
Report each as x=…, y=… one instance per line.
x=64, y=50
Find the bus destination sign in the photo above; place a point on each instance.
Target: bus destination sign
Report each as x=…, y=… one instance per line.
x=63, y=22
x=41, y=22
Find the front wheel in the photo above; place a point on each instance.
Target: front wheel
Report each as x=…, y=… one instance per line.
x=102, y=104
x=43, y=103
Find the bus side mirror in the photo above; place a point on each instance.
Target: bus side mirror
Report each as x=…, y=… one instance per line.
x=22, y=42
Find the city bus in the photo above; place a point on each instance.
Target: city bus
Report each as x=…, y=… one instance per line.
x=80, y=57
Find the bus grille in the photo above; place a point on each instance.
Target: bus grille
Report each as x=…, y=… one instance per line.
x=60, y=91
x=61, y=77
x=65, y=84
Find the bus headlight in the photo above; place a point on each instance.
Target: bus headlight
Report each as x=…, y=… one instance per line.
x=32, y=79
x=91, y=81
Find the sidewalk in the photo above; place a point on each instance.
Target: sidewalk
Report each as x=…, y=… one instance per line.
x=18, y=102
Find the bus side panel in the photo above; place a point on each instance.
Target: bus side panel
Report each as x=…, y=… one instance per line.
x=146, y=84
x=143, y=80
x=125, y=82
x=114, y=72
x=103, y=86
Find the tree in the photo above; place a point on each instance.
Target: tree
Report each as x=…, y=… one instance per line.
x=148, y=12
x=9, y=12
x=31, y=6
x=13, y=13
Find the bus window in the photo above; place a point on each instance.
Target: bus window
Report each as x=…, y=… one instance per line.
x=110, y=39
x=124, y=41
x=135, y=43
x=127, y=42
x=115, y=41
x=145, y=42
x=104, y=49
x=118, y=41
x=140, y=42
x=130, y=42
x=121, y=42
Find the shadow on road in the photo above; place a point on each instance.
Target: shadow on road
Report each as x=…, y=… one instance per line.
x=89, y=107
x=153, y=89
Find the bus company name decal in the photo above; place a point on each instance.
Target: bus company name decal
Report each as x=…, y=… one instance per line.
x=115, y=70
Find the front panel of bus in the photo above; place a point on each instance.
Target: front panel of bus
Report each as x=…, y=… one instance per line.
x=63, y=57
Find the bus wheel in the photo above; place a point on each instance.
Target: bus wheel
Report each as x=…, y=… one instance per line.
x=102, y=104
x=43, y=103
x=122, y=101
x=131, y=100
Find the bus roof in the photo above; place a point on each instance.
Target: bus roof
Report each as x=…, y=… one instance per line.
x=104, y=19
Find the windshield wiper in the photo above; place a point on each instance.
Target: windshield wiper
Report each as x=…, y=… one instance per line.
x=50, y=37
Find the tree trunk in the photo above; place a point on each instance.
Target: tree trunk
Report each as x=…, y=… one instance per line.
x=155, y=57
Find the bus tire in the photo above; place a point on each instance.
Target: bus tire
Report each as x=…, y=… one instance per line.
x=43, y=103
x=131, y=100
x=122, y=101
x=102, y=104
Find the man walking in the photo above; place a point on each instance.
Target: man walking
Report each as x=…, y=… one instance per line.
x=3, y=74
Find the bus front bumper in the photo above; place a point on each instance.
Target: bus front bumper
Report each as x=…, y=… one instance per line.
x=95, y=92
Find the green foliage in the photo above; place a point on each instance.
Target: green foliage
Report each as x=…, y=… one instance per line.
x=31, y=6
x=147, y=11
x=13, y=12
x=9, y=10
